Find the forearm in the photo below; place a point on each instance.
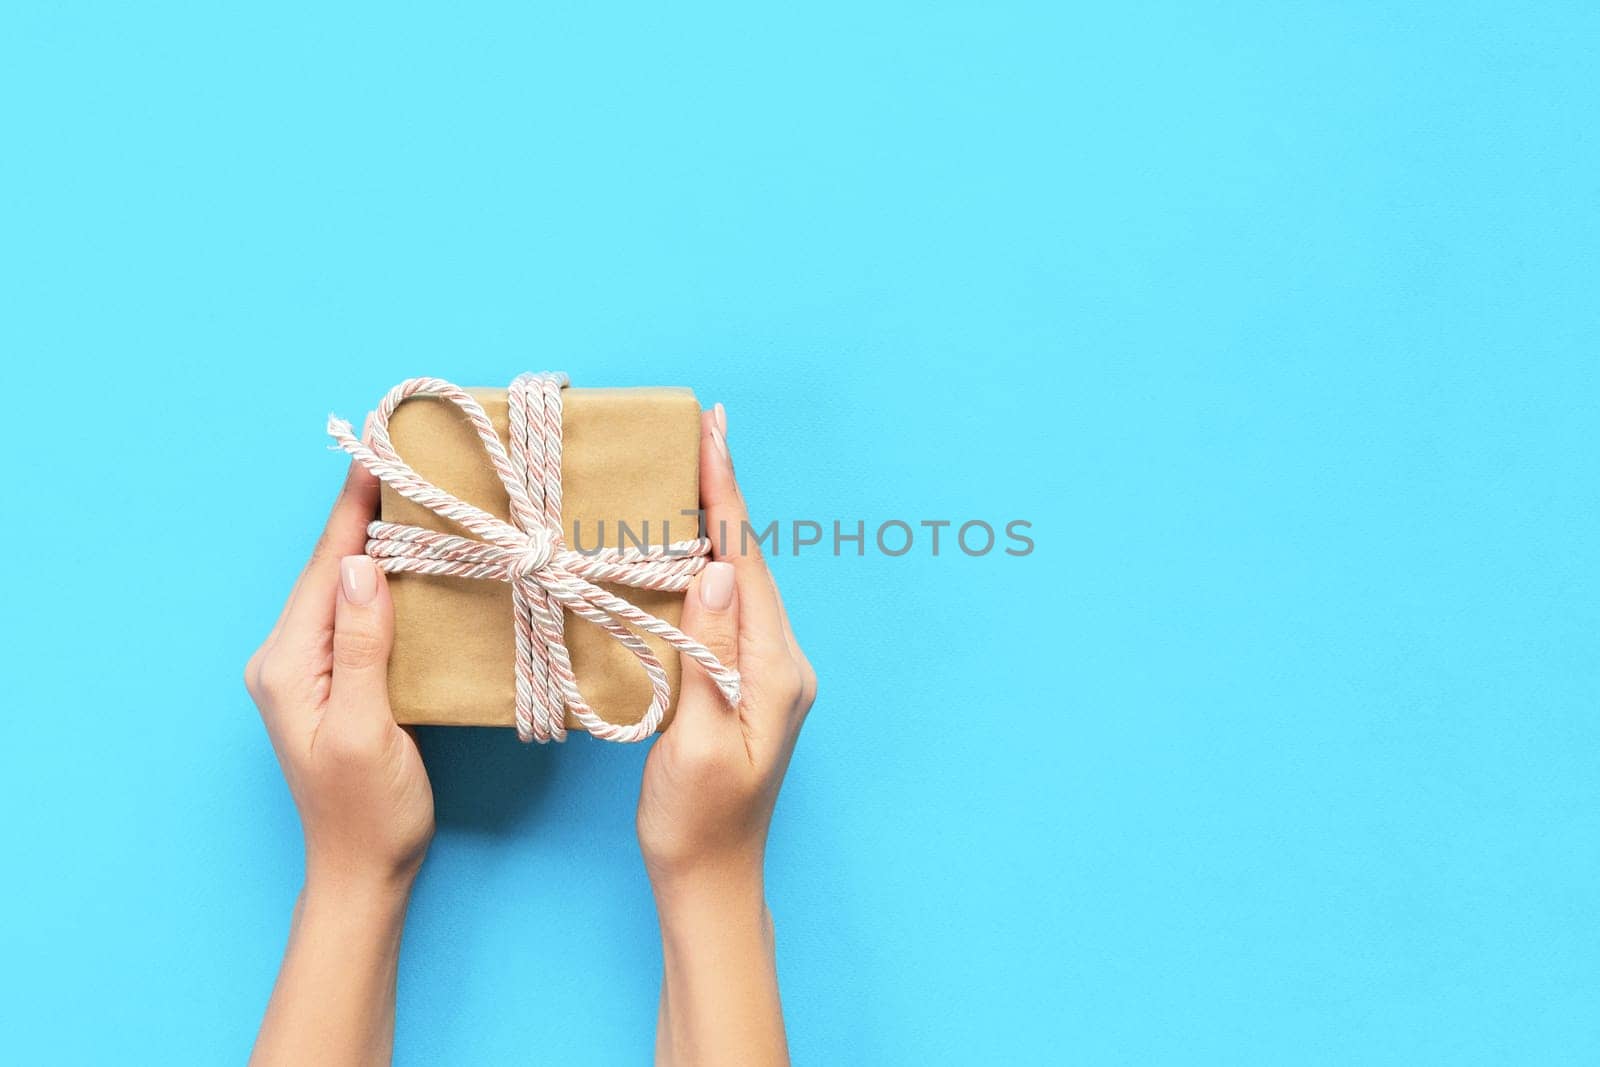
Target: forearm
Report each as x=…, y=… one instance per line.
x=334, y=999
x=719, y=989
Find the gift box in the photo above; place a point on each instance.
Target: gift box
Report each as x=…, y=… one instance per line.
x=629, y=473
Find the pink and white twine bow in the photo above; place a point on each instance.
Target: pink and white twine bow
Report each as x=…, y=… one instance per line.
x=546, y=576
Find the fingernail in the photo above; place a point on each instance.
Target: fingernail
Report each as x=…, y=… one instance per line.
x=722, y=445
x=359, y=576
x=720, y=413
x=716, y=586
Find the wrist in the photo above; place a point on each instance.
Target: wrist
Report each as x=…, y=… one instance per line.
x=332, y=866
x=356, y=894
x=711, y=900
x=688, y=869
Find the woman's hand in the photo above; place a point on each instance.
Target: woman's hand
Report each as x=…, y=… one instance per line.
x=710, y=784
x=320, y=680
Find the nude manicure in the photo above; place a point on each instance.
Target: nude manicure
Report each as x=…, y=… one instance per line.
x=716, y=586
x=359, y=576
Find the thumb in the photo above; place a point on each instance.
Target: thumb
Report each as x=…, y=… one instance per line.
x=363, y=633
x=710, y=616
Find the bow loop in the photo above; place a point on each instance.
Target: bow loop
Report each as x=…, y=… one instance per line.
x=547, y=577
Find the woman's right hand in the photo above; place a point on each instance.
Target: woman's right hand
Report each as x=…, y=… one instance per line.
x=710, y=784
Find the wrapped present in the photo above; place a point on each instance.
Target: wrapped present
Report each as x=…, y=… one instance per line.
x=538, y=540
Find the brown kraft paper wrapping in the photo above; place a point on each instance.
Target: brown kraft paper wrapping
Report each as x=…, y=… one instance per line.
x=628, y=455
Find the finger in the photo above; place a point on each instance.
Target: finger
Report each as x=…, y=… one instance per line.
x=310, y=610
x=733, y=540
x=710, y=616
x=783, y=613
x=356, y=470
x=363, y=634
x=808, y=675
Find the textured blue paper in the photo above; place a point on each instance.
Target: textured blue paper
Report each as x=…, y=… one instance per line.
x=1277, y=321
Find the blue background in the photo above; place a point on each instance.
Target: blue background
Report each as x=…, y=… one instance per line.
x=1278, y=321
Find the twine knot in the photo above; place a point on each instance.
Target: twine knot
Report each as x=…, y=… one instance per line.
x=539, y=551
x=547, y=578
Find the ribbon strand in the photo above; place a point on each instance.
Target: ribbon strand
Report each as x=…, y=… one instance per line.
x=547, y=577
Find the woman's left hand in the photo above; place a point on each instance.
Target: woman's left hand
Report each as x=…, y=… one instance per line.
x=320, y=680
